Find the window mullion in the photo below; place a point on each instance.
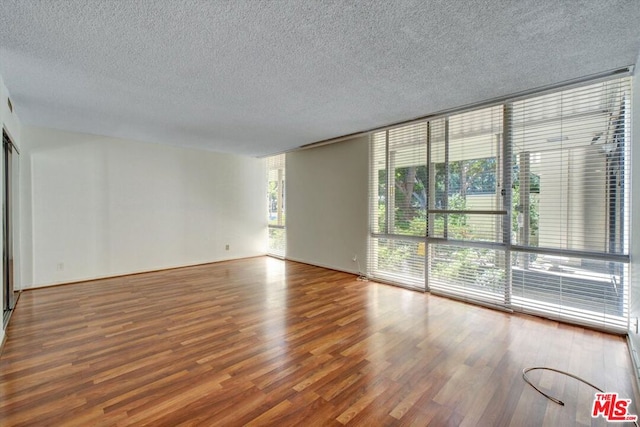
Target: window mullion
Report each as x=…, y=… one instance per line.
x=445, y=232
x=390, y=182
x=507, y=168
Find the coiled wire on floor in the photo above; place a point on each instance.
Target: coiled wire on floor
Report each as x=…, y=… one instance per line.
x=551, y=398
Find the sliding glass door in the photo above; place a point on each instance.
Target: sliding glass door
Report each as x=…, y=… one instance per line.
x=9, y=159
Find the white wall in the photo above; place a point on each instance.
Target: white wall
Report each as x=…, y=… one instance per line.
x=101, y=206
x=327, y=204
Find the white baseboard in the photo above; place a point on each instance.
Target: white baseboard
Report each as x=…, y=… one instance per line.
x=634, y=352
x=330, y=267
x=135, y=272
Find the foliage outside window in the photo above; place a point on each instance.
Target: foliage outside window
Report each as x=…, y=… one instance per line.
x=276, y=205
x=553, y=240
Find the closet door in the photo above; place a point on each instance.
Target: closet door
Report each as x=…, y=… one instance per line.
x=9, y=295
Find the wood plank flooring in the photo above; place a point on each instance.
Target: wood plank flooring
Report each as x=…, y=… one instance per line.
x=264, y=342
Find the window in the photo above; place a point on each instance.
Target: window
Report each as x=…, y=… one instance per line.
x=571, y=202
x=275, y=205
x=398, y=204
x=524, y=205
x=466, y=254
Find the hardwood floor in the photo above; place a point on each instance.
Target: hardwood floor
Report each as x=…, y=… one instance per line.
x=264, y=342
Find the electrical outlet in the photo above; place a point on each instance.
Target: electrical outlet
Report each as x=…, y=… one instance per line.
x=226, y=247
x=355, y=258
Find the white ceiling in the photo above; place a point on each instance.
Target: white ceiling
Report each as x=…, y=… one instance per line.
x=260, y=77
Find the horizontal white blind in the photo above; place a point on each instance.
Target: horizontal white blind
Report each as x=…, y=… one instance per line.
x=524, y=204
x=465, y=163
x=407, y=166
x=465, y=159
x=277, y=243
x=378, y=183
x=571, y=203
x=470, y=273
x=397, y=260
x=583, y=291
x=398, y=203
x=570, y=150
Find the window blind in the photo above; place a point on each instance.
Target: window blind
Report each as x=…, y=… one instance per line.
x=275, y=202
x=398, y=197
x=523, y=204
x=465, y=162
x=465, y=176
x=571, y=153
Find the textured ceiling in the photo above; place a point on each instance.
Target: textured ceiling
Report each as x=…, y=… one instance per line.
x=261, y=77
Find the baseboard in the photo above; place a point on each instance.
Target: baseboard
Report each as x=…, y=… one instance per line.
x=329, y=267
x=134, y=273
x=635, y=361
